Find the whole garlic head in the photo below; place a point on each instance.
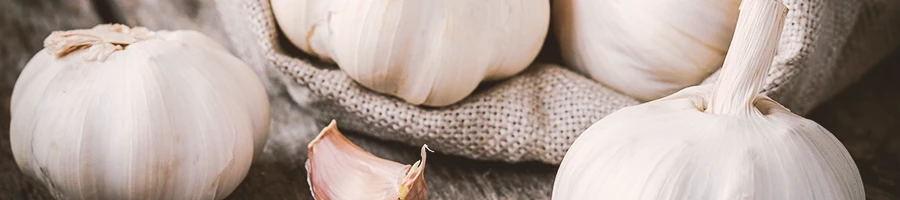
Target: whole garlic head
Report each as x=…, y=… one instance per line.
x=713, y=142
x=645, y=49
x=672, y=148
x=432, y=53
x=125, y=113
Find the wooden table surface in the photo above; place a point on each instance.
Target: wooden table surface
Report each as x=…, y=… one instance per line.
x=865, y=116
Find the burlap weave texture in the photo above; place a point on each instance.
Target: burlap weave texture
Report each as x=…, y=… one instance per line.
x=536, y=115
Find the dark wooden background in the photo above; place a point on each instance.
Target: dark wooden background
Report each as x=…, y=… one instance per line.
x=864, y=116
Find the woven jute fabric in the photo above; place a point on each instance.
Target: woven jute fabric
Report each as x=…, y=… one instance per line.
x=536, y=115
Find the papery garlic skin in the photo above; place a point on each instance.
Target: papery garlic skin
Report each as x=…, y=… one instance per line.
x=645, y=49
x=671, y=149
x=164, y=115
x=338, y=169
x=432, y=53
x=305, y=23
x=721, y=141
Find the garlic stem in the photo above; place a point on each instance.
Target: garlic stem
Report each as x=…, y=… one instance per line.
x=749, y=57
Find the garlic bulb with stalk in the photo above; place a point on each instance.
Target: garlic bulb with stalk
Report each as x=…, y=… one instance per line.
x=115, y=112
x=432, y=53
x=338, y=169
x=645, y=49
x=721, y=142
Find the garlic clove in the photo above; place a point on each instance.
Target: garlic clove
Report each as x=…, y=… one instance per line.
x=338, y=169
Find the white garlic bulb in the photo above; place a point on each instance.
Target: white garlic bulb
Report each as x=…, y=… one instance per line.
x=645, y=49
x=305, y=24
x=721, y=142
x=432, y=53
x=125, y=113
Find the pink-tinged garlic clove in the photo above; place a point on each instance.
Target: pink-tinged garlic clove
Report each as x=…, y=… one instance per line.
x=338, y=169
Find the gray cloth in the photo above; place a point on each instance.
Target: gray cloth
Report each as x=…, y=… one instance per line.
x=536, y=115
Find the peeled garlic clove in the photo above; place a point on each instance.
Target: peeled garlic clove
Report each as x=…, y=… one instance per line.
x=338, y=169
x=115, y=112
x=713, y=142
x=645, y=49
x=432, y=53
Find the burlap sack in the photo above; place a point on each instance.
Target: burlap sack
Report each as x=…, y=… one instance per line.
x=537, y=114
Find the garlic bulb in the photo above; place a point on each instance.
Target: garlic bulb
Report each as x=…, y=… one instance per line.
x=125, y=113
x=305, y=24
x=721, y=142
x=338, y=169
x=432, y=53
x=645, y=49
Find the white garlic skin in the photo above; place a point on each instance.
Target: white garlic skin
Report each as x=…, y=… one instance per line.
x=174, y=117
x=305, y=24
x=645, y=49
x=432, y=53
x=671, y=149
